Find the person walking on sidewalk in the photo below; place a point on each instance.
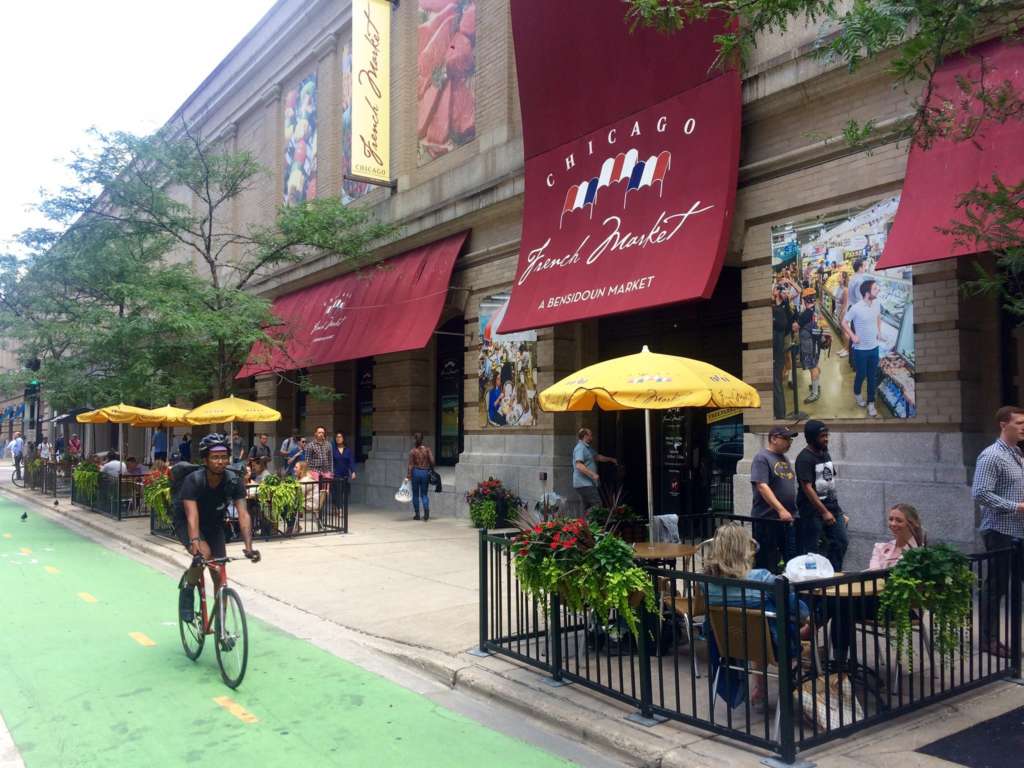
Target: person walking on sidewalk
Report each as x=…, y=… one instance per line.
x=998, y=488
x=585, y=479
x=421, y=464
x=809, y=330
x=774, y=500
x=866, y=317
x=816, y=499
x=17, y=450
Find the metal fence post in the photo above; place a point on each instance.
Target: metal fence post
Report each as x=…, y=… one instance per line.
x=646, y=714
x=1016, y=569
x=555, y=639
x=481, y=649
x=787, y=735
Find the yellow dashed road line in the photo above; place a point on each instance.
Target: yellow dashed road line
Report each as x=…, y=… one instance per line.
x=25, y=550
x=236, y=709
x=87, y=597
x=141, y=639
x=51, y=569
x=7, y=535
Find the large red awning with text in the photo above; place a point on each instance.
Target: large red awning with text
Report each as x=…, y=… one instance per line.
x=632, y=153
x=392, y=307
x=939, y=175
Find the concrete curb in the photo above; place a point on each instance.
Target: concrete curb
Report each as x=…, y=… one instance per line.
x=632, y=744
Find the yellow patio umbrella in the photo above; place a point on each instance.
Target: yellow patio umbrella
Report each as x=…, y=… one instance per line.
x=92, y=417
x=116, y=414
x=648, y=381
x=165, y=418
x=231, y=409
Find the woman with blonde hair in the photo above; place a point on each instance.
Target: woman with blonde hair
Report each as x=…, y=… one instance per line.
x=908, y=532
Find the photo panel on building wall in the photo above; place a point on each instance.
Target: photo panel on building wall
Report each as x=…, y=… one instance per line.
x=507, y=370
x=842, y=330
x=300, y=124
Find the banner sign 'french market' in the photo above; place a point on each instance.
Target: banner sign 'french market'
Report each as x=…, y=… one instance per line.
x=371, y=115
x=633, y=208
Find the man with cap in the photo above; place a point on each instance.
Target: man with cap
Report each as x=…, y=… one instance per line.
x=816, y=499
x=774, y=500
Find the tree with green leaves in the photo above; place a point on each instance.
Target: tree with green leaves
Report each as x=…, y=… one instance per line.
x=915, y=37
x=142, y=289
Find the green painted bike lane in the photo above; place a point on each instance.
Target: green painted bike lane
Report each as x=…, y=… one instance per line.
x=76, y=688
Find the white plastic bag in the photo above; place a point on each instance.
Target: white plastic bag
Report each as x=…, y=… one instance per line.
x=809, y=567
x=404, y=493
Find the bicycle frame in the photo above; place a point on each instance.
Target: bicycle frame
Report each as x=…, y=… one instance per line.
x=219, y=578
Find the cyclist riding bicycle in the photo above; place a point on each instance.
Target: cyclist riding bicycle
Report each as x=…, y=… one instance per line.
x=200, y=505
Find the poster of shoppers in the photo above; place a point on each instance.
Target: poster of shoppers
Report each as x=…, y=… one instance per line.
x=507, y=370
x=842, y=331
x=447, y=65
x=350, y=190
x=300, y=142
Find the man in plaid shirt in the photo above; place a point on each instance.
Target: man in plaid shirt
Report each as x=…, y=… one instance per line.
x=318, y=452
x=999, y=490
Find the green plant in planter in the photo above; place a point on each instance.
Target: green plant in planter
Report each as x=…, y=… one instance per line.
x=279, y=496
x=937, y=579
x=585, y=566
x=156, y=492
x=86, y=477
x=36, y=465
x=483, y=514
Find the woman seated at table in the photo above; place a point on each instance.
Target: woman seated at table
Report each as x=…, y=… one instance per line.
x=905, y=525
x=732, y=557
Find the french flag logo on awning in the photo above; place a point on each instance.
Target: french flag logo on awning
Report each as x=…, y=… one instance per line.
x=624, y=167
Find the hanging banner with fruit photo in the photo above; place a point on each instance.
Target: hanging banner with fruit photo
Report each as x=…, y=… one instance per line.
x=447, y=65
x=300, y=142
x=370, y=79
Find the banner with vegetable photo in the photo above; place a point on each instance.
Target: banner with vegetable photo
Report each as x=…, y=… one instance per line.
x=350, y=190
x=447, y=65
x=842, y=329
x=300, y=142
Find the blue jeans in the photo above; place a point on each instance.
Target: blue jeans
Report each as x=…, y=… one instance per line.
x=420, y=486
x=865, y=362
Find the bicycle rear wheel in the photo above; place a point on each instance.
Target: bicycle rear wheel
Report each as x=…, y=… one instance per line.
x=18, y=478
x=231, y=637
x=192, y=637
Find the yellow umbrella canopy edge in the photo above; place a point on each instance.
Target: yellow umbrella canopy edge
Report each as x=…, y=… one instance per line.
x=92, y=417
x=230, y=409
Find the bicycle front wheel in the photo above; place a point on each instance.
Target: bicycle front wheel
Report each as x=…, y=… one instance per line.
x=18, y=478
x=232, y=637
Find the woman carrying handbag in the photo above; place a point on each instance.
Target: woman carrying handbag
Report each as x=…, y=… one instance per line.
x=421, y=464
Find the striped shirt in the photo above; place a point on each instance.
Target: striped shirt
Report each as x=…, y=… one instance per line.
x=999, y=487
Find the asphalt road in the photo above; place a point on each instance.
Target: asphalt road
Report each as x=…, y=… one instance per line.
x=92, y=672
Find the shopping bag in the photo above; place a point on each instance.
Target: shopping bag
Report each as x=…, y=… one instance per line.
x=404, y=493
x=825, y=710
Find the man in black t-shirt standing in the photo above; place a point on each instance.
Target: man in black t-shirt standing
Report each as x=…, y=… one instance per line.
x=817, y=501
x=200, y=506
x=774, y=500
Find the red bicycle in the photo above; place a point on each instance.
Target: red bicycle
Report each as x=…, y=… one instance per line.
x=226, y=622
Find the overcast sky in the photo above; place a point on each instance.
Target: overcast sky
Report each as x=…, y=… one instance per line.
x=67, y=65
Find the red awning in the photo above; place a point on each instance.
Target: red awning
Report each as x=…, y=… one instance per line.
x=388, y=308
x=938, y=176
x=630, y=176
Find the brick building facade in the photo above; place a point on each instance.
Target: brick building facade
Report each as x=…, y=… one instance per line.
x=793, y=166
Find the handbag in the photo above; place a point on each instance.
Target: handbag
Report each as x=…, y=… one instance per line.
x=434, y=479
x=404, y=492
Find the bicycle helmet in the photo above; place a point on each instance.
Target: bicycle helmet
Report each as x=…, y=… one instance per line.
x=211, y=441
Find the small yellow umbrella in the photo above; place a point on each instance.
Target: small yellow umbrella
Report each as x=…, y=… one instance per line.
x=649, y=381
x=165, y=418
x=231, y=409
x=92, y=417
x=116, y=414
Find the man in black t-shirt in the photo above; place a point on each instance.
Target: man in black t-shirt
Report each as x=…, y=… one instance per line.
x=816, y=500
x=200, y=505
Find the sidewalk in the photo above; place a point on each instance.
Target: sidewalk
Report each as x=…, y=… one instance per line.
x=409, y=589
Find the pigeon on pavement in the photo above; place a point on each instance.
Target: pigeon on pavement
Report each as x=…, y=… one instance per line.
x=24, y=516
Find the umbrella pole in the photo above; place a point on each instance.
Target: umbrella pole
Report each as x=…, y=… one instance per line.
x=650, y=482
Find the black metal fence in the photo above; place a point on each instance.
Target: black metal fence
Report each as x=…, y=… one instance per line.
x=56, y=479
x=718, y=651
x=324, y=509
x=116, y=496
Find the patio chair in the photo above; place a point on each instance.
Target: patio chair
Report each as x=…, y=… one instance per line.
x=878, y=628
x=690, y=605
x=748, y=641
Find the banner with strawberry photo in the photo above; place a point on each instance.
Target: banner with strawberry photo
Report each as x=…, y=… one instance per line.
x=447, y=64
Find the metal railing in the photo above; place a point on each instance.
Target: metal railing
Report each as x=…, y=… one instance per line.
x=827, y=660
x=116, y=496
x=324, y=510
x=57, y=478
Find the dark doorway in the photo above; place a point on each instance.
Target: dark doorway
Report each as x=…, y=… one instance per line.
x=684, y=467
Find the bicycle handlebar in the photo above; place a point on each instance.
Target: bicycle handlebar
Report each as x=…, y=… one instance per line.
x=199, y=560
